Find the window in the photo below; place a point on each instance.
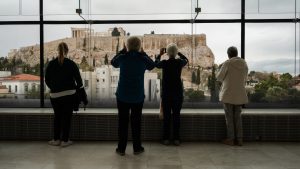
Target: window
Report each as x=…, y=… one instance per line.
x=86, y=83
x=272, y=73
x=19, y=10
x=19, y=63
x=275, y=10
x=26, y=87
x=9, y=88
x=33, y=87
x=205, y=42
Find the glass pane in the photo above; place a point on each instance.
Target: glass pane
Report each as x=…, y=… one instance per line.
x=218, y=9
x=270, y=53
x=100, y=79
x=19, y=10
x=65, y=10
x=270, y=9
x=201, y=87
x=141, y=9
x=19, y=67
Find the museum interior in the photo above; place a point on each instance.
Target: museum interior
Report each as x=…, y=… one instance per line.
x=238, y=77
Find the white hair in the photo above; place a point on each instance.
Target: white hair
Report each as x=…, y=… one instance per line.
x=172, y=50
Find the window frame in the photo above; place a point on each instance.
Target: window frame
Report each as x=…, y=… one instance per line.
x=41, y=22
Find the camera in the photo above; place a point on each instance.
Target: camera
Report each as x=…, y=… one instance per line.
x=165, y=50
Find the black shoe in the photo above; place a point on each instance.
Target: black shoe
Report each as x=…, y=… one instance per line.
x=176, y=142
x=139, y=151
x=121, y=153
x=165, y=142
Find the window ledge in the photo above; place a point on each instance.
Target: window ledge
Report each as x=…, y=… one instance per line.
x=110, y=111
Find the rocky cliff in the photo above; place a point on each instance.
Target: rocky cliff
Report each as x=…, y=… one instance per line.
x=96, y=47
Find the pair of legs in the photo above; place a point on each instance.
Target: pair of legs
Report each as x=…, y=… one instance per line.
x=171, y=110
x=135, y=118
x=63, y=110
x=233, y=122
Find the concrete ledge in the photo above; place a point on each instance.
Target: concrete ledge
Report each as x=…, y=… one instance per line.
x=196, y=124
x=109, y=111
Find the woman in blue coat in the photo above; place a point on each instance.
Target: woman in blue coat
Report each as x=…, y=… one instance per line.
x=130, y=92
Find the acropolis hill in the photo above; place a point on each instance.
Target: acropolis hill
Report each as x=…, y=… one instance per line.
x=99, y=44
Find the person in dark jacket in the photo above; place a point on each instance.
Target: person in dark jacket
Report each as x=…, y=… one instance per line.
x=172, y=90
x=63, y=78
x=130, y=92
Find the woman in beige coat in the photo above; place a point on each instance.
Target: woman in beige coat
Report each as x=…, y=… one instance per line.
x=233, y=75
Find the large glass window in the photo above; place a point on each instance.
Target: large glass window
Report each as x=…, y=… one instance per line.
x=270, y=53
x=19, y=66
x=19, y=10
x=270, y=9
x=271, y=49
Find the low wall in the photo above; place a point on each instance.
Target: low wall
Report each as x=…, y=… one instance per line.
x=196, y=125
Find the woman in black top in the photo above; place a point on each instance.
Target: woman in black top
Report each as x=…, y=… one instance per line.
x=63, y=78
x=172, y=90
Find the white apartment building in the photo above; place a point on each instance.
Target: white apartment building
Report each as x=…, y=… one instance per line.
x=102, y=84
x=19, y=85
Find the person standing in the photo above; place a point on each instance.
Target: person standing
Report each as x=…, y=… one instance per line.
x=172, y=91
x=233, y=75
x=130, y=92
x=63, y=78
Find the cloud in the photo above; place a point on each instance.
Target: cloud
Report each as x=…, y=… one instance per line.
x=271, y=65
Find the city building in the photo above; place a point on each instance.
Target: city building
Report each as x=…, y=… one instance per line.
x=20, y=85
x=101, y=84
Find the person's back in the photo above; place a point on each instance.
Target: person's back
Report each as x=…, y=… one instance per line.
x=130, y=92
x=60, y=77
x=233, y=89
x=172, y=69
x=233, y=74
x=132, y=69
x=172, y=91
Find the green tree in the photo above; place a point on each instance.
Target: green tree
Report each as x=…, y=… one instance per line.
x=198, y=78
x=118, y=46
x=194, y=77
x=194, y=95
x=252, y=73
x=84, y=43
x=106, y=60
x=286, y=81
x=212, y=82
x=84, y=64
x=276, y=94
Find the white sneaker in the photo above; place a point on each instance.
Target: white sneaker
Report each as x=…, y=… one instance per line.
x=54, y=142
x=66, y=144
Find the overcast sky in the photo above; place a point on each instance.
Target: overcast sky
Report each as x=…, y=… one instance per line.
x=269, y=46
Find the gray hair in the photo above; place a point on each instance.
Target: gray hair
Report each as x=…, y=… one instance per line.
x=232, y=52
x=134, y=43
x=172, y=49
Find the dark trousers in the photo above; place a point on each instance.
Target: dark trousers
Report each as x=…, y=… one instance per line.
x=63, y=110
x=173, y=106
x=135, y=118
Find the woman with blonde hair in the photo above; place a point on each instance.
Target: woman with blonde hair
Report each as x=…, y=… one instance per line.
x=130, y=92
x=63, y=78
x=172, y=90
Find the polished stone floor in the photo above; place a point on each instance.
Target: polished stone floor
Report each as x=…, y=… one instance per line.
x=101, y=155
